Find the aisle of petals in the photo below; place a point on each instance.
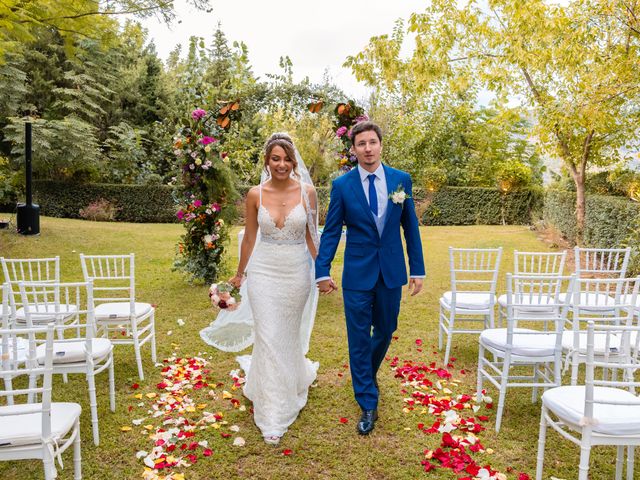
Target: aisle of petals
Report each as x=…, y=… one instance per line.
x=175, y=423
x=430, y=394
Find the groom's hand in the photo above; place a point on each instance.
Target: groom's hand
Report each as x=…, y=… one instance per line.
x=327, y=286
x=415, y=285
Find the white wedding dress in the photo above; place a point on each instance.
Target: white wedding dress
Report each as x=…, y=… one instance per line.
x=278, y=374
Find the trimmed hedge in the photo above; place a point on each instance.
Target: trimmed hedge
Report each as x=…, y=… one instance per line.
x=608, y=220
x=462, y=205
x=154, y=203
x=479, y=206
x=135, y=203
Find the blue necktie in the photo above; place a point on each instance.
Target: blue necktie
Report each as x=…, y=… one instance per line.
x=373, y=195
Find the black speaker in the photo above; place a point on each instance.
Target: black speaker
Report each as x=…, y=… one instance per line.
x=28, y=213
x=28, y=219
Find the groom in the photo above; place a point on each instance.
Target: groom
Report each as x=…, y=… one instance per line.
x=373, y=201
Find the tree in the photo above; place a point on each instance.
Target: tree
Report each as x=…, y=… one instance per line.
x=574, y=66
x=20, y=21
x=449, y=132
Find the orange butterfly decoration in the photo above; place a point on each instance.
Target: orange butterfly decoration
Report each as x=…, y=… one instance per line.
x=315, y=107
x=224, y=119
x=344, y=108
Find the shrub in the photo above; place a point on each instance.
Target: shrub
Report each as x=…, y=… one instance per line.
x=513, y=175
x=134, y=203
x=433, y=178
x=480, y=206
x=609, y=221
x=100, y=211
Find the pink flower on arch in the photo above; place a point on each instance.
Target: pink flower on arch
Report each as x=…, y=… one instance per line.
x=180, y=214
x=197, y=203
x=207, y=140
x=341, y=131
x=198, y=113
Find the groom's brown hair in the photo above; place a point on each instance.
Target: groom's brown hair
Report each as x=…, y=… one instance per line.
x=366, y=126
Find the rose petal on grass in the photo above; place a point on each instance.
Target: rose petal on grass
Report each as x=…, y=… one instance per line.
x=239, y=442
x=287, y=452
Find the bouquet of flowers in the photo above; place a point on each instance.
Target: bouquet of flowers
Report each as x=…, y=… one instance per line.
x=224, y=296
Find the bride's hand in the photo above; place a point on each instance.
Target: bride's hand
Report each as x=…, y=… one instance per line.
x=237, y=280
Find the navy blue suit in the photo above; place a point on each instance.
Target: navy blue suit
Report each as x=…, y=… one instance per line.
x=374, y=270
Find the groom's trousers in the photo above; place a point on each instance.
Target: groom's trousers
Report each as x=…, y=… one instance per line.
x=372, y=317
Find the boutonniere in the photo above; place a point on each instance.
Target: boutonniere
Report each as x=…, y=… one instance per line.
x=399, y=195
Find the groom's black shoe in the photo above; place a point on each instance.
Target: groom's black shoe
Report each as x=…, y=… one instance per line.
x=367, y=421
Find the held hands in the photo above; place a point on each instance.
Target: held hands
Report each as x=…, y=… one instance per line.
x=415, y=285
x=327, y=286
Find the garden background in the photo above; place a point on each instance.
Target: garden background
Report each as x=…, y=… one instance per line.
x=553, y=156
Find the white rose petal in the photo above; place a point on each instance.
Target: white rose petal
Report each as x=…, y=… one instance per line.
x=239, y=442
x=141, y=454
x=234, y=428
x=180, y=322
x=446, y=428
x=483, y=474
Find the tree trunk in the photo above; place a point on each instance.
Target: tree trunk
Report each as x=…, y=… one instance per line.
x=580, y=206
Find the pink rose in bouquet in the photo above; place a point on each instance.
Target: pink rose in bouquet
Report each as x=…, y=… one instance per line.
x=224, y=296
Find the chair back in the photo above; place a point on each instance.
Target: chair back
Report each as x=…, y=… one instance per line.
x=601, y=364
x=42, y=300
x=534, y=303
x=607, y=300
x=113, y=277
x=601, y=262
x=28, y=270
x=474, y=270
x=539, y=263
x=39, y=375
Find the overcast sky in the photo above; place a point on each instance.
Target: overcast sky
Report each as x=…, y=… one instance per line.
x=317, y=36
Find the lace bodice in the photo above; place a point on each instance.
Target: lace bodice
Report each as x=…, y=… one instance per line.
x=293, y=230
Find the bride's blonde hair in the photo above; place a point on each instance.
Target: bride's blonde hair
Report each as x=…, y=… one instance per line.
x=284, y=141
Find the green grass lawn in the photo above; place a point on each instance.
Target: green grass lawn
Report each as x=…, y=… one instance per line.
x=321, y=446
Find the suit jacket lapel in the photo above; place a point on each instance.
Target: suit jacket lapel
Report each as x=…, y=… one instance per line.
x=392, y=184
x=356, y=186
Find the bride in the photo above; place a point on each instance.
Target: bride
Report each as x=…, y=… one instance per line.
x=279, y=296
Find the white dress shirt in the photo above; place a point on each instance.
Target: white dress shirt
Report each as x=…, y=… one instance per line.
x=381, y=187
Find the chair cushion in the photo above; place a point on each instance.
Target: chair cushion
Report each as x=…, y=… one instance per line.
x=115, y=310
x=599, y=342
x=534, y=301
x=538, y=344
x=26, y=428
x=72, y=352
x=39, y=314
x=469, y=300
x=627, y=298
x=568, y=404
x=590, y=299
